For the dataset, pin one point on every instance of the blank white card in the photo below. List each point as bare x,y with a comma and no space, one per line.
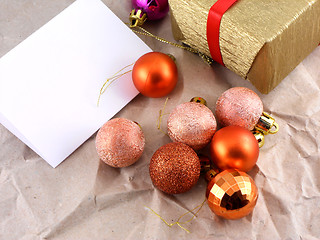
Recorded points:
49,84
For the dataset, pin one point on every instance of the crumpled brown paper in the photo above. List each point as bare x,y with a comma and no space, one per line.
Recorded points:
85,199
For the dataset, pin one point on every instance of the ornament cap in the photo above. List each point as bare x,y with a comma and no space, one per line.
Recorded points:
267,124
259,136
172,57
205,164
138,124
199,100
211,174
137,18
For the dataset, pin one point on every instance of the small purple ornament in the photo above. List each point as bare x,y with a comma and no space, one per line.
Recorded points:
155,9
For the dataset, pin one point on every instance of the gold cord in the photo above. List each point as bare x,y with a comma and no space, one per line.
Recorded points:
110,80
199,207
144,32
161,114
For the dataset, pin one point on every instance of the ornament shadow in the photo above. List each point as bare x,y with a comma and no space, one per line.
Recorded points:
29,155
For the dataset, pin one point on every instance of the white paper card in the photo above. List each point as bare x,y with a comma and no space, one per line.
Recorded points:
49,84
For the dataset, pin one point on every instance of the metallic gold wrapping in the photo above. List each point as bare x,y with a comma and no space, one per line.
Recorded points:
260,40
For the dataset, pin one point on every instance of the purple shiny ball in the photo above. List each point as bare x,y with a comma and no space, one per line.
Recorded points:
155,9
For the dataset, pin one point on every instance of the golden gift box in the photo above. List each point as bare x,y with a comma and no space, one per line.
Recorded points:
260,40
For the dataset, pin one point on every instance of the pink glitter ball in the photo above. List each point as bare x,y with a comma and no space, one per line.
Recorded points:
193,124
120,142
239,106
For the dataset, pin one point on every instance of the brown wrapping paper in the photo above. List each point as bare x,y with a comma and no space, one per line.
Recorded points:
262,41
85,199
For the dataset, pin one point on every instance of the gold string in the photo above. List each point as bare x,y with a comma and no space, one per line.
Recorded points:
160,117
111,80
199,207
144,32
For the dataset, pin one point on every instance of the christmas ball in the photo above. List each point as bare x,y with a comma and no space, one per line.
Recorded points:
155,9
234,147
239,106
232,194
120,142
155,74
174,168
193,124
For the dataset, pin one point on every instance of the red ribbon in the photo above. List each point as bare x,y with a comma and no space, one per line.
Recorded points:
213,27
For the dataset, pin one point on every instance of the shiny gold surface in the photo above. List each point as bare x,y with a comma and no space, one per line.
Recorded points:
199,100
256,37
259,137
267,124
211,174
137,18
232,194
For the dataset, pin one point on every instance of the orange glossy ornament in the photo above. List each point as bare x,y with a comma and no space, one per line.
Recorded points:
234,147
232,194
155,74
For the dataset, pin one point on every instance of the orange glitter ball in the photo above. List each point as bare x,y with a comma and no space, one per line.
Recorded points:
174,168
232,194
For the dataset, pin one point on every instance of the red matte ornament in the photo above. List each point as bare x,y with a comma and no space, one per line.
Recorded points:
155,74
234,147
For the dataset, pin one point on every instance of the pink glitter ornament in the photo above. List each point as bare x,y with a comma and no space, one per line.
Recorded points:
239,106
155,9
120,142
193,124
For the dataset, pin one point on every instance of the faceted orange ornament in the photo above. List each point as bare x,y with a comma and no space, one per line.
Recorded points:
234,147
155,74
232,194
